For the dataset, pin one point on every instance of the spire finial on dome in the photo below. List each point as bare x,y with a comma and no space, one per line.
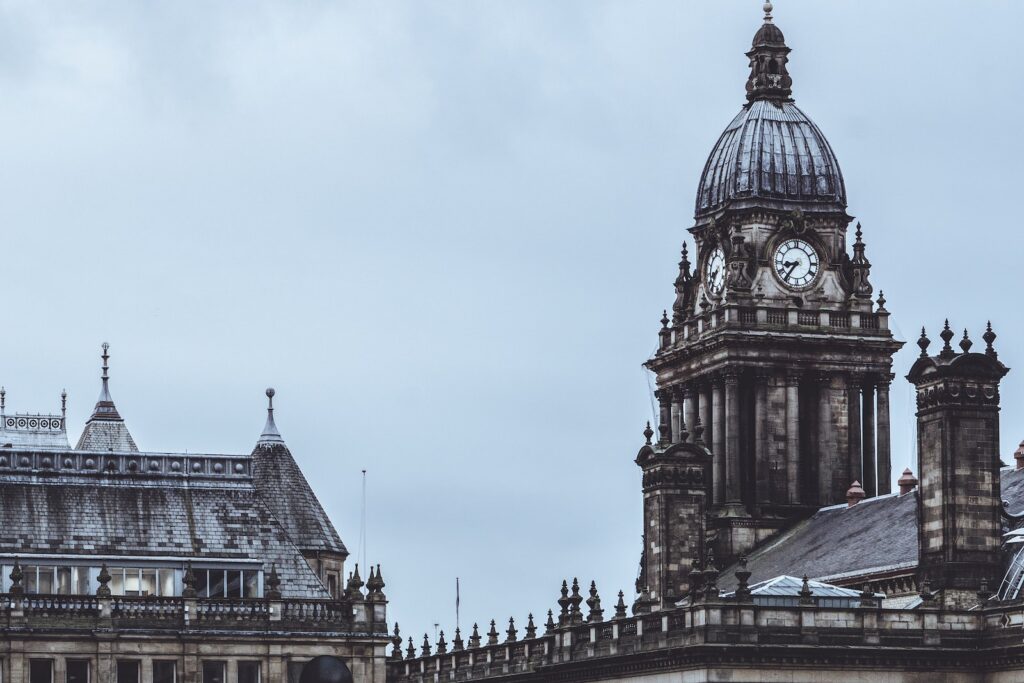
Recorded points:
768,12
270,434
769,79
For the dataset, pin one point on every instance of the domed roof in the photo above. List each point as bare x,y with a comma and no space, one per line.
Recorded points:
771,155
771,151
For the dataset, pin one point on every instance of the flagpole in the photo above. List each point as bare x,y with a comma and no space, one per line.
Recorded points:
456,602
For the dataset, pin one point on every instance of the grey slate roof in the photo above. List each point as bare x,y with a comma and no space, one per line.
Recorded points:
876,535
151,516
286,492
106,435
771,150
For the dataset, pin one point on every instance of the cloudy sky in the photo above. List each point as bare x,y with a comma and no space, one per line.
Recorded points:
445,232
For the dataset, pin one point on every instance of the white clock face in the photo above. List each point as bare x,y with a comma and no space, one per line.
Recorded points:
714,271
796,263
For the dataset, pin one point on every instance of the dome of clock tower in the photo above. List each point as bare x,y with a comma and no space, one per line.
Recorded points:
772,154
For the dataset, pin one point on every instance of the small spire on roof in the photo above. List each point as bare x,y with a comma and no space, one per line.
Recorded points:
270,434
768,12
105,408
64,403
3,400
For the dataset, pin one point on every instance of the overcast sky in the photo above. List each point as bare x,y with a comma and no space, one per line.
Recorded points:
445,233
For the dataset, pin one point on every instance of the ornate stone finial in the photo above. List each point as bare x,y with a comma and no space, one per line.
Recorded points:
104,578
3,400
664,319
188,581
442,646
881,301
806,593
375,582
410,652
947,335
648,433
355,584
531,628
907,482
64,403
620,607
270,433
767,12
549,625
743,576
425,648
474,637
966,343
696,582
563,604
396,643
855,494
510,633
923,342
989,337
681,306
274,584
575,600
594,603
698,432
380,582
457,644
860,269
859,233
710,577
492,635
16,576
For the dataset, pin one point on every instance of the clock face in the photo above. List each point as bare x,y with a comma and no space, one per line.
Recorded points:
714,271
796,263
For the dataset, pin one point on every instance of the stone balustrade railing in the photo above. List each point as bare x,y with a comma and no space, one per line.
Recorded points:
198,614
716,624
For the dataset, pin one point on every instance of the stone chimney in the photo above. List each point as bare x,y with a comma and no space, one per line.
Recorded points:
907,482
959,503
855,494
1018,456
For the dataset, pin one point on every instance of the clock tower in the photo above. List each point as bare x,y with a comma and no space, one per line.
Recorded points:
776,344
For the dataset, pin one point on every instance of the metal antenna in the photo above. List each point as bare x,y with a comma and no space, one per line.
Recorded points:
362,523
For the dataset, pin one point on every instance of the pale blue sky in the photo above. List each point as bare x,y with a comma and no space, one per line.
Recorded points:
445,232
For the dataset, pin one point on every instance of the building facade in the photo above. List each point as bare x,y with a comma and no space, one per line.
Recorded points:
773,547
126,566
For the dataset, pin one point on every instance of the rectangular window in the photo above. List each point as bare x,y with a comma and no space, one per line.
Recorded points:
31,580
116,580
234,583
127,671
214,672
252,584
80,577
64,585
148,582
40,671
46,580
166,582
202,583
77,671
248,672
216,583
165,672
132,582
332,584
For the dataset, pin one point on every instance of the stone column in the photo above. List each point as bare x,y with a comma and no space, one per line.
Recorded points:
677,415
690,406
718,437
762,485
870,487
704,410
793,436
665,419
853,383
826,441
884,455
734,492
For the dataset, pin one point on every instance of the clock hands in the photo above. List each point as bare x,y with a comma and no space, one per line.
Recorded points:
792,266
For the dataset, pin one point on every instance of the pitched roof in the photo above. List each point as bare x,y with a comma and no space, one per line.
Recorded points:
874,536
286,492
106,430
148,515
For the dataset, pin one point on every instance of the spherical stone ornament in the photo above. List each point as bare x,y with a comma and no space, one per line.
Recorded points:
239,467
176,466
90,463
197,466
325,669
218,468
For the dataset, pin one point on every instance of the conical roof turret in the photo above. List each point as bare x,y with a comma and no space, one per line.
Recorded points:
106,430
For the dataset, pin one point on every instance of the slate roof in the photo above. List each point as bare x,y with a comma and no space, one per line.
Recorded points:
153,516
288,495
874,536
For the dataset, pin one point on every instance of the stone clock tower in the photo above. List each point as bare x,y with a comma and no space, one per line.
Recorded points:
775,344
